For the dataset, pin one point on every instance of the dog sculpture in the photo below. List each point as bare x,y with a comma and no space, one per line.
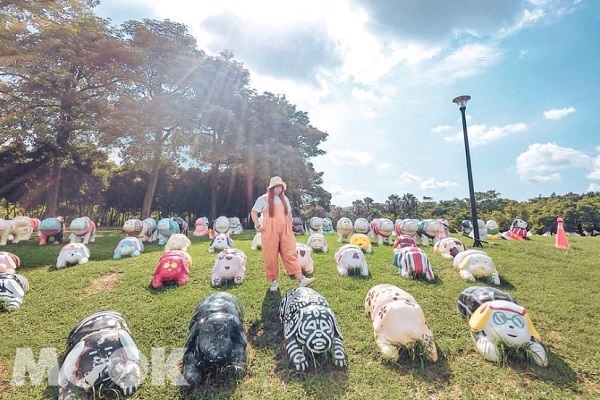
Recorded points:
344,229
9,262
256,241
398,321
381,231
12,290
407,226
235,226
230,265
304,252
318,243
403,241
495,317
220,225
178,241
473,264
297,226
72,254
314,225
361,225
448,247
517,231
351,259
83,230
220,242
309,328
100,355
216,338
52,228
165,228
361,240
201,227
172,266
413,263
328,226
129,246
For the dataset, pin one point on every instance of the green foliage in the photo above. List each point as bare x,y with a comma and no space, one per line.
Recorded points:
550,283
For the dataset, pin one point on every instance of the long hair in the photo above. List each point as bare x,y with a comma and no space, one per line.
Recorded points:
271,194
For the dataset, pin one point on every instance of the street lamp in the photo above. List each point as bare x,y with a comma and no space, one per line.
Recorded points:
462,104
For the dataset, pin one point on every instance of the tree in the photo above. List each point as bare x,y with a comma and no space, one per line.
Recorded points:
54,85
155,115
393,203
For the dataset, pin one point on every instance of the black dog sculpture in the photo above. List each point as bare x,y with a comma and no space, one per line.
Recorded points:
100,353
309,325
216,338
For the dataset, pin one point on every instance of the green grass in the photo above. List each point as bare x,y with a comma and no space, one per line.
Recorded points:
558,287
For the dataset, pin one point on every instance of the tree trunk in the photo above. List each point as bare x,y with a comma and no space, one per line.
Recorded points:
52,189
147,205
214,191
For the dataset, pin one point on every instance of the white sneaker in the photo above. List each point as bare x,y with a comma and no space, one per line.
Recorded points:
306,281
274,285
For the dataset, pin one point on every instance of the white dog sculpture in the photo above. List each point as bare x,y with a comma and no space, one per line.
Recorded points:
305,259
398,321
220,242
344,229
448,247
474,264
350,258
83,230
361,225
230,265
381,231
73,254
318,243
314,225
235,226
178,241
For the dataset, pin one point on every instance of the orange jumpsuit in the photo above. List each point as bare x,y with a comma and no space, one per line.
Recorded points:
278,239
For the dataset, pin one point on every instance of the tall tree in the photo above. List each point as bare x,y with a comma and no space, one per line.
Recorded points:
155,115
54,84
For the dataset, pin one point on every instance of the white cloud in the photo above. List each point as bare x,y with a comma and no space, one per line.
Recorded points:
341,195
595,172
593,187
440,128
349,157
541,162
434,184
481,134
384,166
558,113
406,177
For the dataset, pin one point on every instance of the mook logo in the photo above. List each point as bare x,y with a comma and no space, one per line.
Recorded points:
126,367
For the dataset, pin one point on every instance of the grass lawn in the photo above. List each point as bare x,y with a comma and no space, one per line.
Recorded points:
559,288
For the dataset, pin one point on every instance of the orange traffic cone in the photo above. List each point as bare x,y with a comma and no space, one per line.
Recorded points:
561,236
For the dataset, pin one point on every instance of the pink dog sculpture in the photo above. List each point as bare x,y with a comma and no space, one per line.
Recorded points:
83,230
172,266
52,228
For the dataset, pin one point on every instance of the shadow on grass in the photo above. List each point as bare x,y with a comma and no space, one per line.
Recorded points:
438,373
266,332
215,386
557,373
322,380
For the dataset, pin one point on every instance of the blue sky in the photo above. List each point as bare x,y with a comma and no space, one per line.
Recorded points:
380,76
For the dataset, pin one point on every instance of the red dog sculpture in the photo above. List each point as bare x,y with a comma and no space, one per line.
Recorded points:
172,266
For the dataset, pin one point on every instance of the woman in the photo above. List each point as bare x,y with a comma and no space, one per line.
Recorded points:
277,237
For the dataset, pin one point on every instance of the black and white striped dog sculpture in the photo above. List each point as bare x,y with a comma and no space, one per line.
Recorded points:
216,338
12,290
309,325
100,354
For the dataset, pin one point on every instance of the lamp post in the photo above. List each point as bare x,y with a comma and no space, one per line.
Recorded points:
462,104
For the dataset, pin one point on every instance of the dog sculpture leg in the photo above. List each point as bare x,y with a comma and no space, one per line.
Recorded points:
295,354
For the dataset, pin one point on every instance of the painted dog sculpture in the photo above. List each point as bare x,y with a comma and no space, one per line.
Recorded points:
230,265
172,266
494,317
473,264
83,230
216,338
9,262
52,228
12,290
100,354
309,328
129,246
304,252
398,321
413,263
72,254
350,259
344,229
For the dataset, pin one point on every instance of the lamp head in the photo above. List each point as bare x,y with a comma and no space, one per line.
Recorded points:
462,101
